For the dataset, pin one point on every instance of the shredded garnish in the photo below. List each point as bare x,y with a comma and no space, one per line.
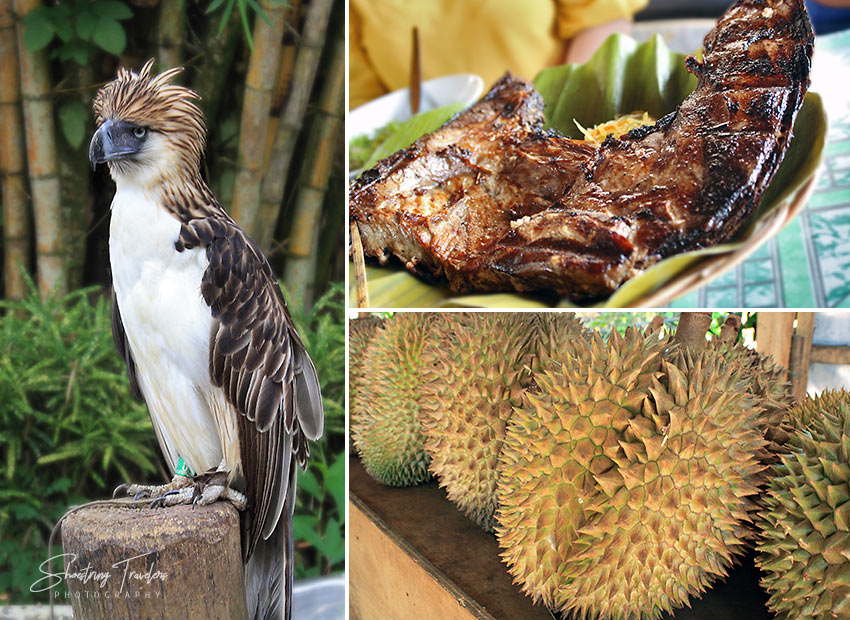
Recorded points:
617,127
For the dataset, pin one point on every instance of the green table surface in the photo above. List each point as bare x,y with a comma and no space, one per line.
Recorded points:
807,265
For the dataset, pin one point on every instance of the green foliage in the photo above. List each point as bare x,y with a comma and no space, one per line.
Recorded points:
69,429
80,26
242,7
717,320
72,117
322,331
319,522
77,29
605,322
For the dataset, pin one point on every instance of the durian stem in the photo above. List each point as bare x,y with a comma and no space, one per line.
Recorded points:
691,330
729,330
655,324
801,354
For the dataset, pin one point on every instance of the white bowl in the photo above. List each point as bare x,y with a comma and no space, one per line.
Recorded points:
465,88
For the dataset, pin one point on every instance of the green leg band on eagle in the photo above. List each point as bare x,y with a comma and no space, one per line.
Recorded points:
182,469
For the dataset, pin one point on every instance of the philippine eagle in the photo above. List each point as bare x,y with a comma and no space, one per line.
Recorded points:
201,323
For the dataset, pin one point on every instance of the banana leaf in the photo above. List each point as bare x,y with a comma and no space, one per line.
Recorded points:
622,77
411,130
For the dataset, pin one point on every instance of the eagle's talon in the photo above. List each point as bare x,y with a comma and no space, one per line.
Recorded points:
198,500
141,494
161,498
119,489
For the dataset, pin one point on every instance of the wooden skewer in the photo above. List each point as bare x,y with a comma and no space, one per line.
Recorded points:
415,74
359,267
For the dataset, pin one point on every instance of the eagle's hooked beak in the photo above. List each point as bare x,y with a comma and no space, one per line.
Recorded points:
113,140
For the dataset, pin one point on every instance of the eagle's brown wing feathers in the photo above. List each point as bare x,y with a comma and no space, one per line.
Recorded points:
259,361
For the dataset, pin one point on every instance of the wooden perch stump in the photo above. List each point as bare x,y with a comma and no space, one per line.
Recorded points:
159,563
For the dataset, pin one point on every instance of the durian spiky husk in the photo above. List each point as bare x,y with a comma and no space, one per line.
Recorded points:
767,381
386,430
556,443
475,375
473,378
557,337
804,550
627,481
361,332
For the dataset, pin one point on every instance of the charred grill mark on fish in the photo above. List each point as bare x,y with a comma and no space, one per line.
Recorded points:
491,202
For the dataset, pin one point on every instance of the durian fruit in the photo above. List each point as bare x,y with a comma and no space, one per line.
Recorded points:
385,427
804,549
475,374
556,339
361,332
767,381
627,480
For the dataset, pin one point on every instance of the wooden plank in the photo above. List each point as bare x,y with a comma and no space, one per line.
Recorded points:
404,541
801,362
827,354
773,335
389,579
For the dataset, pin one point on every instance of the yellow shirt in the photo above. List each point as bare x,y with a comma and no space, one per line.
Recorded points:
487,37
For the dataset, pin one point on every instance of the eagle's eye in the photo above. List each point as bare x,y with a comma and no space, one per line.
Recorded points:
140,132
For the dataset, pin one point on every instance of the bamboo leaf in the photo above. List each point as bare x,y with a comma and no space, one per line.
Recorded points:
214,6
38,32
243,14
226,16
259,11
86,23
112,8
69,453
109,35
72,116
63,29
10,460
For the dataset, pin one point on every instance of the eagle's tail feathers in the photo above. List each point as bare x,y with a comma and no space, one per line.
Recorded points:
268,573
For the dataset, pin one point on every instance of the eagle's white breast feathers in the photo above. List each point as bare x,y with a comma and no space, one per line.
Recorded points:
168,324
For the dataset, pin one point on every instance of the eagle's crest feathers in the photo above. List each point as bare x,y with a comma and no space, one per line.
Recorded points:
152,101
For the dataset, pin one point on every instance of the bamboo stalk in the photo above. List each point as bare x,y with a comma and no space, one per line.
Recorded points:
300,271
172,23
284,81
41,157
74,179
253,131
214,65
16,213
306,65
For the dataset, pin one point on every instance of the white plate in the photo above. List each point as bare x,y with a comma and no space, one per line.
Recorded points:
465,88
